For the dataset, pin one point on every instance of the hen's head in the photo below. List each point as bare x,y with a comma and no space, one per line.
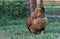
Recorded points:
32,15
40,12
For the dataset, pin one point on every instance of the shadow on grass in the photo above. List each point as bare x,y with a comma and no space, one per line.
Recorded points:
52,31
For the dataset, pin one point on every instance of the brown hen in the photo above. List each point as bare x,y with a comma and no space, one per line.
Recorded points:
37,21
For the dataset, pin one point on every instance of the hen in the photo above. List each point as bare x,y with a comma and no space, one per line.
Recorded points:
37,21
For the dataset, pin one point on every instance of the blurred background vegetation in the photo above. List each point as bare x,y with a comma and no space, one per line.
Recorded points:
15,9
11,10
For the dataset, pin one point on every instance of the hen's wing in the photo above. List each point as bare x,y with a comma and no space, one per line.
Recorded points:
29,23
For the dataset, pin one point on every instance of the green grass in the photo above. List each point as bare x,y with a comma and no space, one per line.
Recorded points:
20,31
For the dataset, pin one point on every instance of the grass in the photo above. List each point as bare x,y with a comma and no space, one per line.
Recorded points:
20,31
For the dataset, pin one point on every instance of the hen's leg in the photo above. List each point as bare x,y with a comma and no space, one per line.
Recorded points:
43,30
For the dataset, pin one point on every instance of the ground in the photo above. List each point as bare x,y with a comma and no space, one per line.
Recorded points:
20,31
